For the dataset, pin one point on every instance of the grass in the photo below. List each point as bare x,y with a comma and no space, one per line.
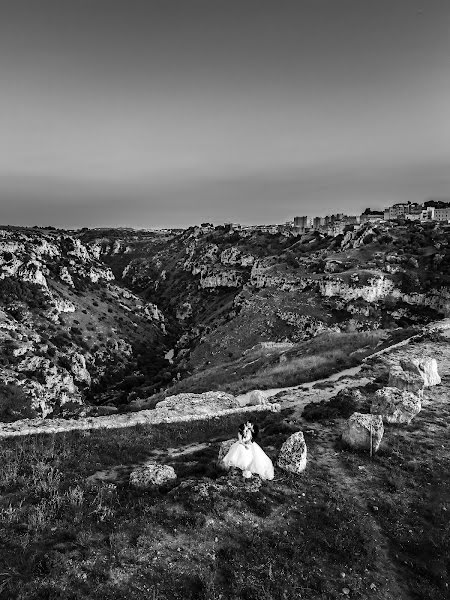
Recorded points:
211,535
319,357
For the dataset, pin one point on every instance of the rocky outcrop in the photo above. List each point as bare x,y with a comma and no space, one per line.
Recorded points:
426,368
151,474
293,454
207,403
396,406
377,287
363,432
78,369
217,279
47,387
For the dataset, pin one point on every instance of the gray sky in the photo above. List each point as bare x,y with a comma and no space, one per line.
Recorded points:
154,114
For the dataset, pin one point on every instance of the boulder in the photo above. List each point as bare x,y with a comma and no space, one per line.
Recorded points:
293,452
396,406
360,429
410,381
223,449
426,368
256,398
151,474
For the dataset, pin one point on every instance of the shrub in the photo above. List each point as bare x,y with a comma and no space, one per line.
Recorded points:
14,404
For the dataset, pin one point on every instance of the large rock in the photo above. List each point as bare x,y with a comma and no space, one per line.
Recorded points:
223,449
151,474
293,452
207,403
396,406
410,381
426,368
361,429
256,397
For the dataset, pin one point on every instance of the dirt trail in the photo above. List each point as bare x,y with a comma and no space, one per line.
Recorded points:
395,584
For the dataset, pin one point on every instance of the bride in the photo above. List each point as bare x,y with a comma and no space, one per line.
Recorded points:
247,455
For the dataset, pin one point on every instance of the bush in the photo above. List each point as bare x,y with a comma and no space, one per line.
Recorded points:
14,404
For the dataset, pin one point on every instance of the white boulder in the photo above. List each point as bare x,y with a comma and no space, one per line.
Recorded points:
396,406
256,397
293,453
362,429
410,380
426,368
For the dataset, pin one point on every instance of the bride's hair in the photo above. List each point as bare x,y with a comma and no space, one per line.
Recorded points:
249,426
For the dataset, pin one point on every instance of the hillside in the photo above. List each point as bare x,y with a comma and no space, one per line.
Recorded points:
350,525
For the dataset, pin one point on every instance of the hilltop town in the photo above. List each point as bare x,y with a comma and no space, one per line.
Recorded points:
337,224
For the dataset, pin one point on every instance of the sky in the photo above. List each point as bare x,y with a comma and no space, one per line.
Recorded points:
170,113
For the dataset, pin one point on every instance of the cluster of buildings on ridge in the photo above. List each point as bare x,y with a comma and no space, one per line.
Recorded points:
409,211
334,225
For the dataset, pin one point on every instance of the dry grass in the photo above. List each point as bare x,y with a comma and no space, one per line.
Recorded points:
381,522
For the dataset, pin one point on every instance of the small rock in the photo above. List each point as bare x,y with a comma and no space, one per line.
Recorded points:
151,474
223,450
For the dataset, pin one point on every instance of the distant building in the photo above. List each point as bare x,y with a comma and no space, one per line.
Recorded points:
302,224
442,214
372,217
401,210
427,214
232,226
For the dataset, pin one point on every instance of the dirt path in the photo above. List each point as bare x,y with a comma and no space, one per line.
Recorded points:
394,578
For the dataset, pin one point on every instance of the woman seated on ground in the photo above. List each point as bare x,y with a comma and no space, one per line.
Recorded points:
247,455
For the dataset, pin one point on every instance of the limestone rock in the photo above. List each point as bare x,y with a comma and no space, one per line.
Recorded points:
78,369
207,403
223,449
396,406
293,452
256,397
426,368
410,381
359,430
151,474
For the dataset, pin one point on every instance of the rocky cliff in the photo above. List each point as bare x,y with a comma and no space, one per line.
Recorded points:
68,331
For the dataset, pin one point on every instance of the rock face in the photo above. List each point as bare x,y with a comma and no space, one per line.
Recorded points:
206,403
396,406
361,428
410,380
426,368
151,474
293,452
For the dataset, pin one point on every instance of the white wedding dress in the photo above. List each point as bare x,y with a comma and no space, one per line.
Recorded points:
250,458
